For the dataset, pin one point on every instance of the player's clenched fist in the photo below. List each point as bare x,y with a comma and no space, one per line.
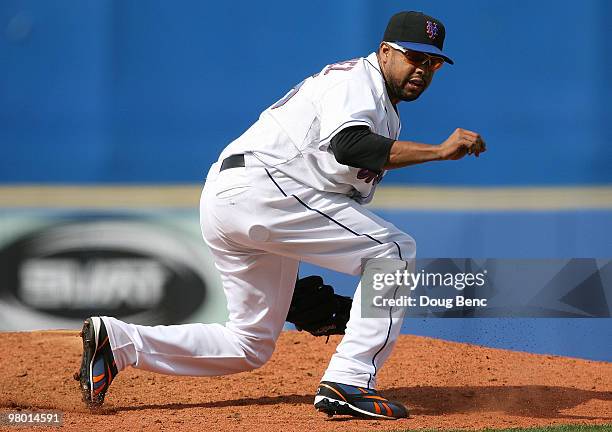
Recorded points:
460,143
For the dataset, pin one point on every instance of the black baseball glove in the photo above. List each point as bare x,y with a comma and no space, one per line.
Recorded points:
317,309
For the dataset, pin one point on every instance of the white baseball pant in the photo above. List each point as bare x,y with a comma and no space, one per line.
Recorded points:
259,224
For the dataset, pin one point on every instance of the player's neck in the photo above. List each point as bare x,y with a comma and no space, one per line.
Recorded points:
394,100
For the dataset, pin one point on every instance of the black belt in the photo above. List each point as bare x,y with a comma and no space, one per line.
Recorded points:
233,161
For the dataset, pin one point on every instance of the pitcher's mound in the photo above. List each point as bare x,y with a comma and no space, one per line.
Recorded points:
446,385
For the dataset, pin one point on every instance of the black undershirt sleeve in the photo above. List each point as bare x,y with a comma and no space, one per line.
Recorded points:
359,147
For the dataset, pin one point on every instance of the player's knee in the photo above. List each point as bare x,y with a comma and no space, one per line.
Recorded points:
406,246
257,351
258,359
400,246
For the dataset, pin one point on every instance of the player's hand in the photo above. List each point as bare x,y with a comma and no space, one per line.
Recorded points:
462,142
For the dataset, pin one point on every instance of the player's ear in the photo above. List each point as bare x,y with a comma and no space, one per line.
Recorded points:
384,50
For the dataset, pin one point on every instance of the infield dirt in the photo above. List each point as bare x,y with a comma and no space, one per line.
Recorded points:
446,385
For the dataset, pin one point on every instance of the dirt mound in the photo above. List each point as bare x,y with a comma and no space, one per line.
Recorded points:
445,385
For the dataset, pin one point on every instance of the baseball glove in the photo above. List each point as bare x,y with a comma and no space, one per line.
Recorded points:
317,309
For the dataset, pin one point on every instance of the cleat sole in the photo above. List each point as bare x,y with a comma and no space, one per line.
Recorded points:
333,407
89,349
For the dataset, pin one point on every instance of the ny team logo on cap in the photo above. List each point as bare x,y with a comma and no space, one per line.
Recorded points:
418,32
432,29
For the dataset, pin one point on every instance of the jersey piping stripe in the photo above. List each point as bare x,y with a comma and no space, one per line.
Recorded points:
372,64
399,251
387,117
395,109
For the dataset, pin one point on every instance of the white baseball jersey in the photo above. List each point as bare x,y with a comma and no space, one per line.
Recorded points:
293,135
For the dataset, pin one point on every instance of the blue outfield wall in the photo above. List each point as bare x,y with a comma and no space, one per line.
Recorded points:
151,91
554,234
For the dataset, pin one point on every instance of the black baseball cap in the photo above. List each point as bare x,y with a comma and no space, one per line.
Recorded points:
418,32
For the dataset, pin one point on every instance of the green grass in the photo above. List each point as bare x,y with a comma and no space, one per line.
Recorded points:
566,428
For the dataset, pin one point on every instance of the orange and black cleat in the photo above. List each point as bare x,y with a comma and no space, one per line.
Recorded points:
334,398
98,367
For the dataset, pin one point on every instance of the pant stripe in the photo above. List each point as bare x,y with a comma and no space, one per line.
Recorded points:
359,235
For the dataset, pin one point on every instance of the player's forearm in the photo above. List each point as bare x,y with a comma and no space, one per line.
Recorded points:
404,153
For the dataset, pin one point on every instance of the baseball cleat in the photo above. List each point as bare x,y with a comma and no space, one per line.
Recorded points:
98,367
334,398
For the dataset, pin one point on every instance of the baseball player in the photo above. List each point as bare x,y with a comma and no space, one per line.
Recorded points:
292,189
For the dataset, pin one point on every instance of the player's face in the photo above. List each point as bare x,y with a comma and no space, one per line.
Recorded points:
407,74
